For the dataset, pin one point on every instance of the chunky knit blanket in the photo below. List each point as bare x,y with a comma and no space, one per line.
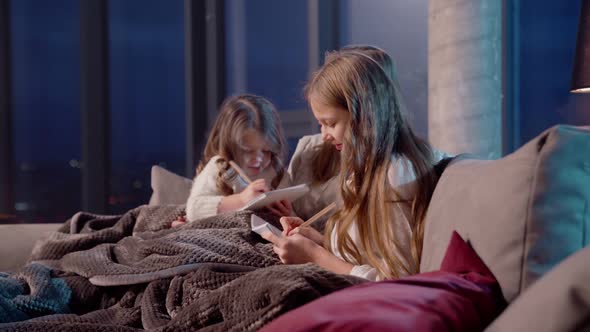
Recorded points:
134,272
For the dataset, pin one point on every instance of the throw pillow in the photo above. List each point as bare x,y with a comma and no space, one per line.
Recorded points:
169,188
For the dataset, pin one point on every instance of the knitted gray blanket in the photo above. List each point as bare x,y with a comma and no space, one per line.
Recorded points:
132,272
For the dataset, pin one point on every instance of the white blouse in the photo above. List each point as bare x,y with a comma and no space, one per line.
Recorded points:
205,196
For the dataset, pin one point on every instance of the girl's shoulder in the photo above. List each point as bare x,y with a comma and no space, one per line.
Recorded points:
211,167
214,159
305,147
308,142
401,171
439,155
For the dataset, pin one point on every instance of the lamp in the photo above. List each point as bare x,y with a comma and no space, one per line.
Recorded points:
581,73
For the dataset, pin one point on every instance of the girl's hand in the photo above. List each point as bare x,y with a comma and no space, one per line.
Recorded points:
295,249
179,222
253,190
282,208
310,233
289,224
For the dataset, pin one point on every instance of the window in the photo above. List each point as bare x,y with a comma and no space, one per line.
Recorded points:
46,118
147,96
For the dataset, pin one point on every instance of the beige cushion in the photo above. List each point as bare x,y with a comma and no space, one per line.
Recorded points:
16,242
559,301
523,213
168,187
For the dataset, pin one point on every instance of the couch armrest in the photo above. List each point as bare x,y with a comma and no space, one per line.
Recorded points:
559,301
17,240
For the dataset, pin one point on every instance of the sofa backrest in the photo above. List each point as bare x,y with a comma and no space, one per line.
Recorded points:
17,240
523,213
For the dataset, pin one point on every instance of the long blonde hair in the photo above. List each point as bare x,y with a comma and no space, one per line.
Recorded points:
325,160
238,114
378,130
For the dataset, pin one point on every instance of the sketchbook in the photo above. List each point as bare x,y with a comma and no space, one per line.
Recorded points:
260,226
289,193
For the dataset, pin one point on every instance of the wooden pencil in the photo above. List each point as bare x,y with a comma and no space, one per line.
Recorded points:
319,215
240,171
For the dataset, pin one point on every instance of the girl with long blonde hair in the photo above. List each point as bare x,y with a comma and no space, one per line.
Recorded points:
316,162
387,175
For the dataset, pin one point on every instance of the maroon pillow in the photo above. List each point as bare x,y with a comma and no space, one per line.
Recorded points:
462,296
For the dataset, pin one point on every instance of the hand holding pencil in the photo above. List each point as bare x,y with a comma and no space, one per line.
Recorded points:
301,245
240,171
295,225
282,208
253,189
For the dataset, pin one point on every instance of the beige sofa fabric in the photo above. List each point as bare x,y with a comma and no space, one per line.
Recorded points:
560,301
523,213
16,242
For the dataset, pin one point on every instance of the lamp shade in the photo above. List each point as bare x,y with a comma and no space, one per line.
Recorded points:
581,73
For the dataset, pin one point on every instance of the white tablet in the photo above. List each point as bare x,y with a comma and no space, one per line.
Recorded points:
289,193
260,226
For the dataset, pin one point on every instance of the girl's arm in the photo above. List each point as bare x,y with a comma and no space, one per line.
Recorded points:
297,249
206,199
295,252
330,262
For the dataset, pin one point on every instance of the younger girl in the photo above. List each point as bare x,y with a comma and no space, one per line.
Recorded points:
248,132
386,175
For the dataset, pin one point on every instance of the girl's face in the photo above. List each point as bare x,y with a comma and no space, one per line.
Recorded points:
333,121
253,153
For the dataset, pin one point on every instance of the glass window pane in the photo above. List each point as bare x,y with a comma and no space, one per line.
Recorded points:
46,94
147,95
267,50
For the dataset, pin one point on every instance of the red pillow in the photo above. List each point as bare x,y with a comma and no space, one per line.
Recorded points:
462,296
